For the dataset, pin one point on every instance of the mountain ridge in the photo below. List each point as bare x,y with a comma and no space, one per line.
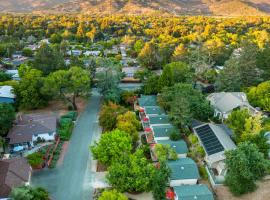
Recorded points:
177,7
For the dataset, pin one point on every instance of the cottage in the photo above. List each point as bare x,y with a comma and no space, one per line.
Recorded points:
184,171
225,102
30,128
153,110
147,100
13,172
193,192
155,120
163,132
179,146
6,94
215,140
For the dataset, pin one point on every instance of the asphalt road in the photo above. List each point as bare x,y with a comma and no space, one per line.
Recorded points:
72,180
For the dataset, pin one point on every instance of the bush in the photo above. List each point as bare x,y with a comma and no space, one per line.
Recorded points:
35,159
203,172
112,195
174,136
65,128
71,115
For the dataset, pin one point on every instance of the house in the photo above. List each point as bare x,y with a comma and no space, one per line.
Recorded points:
31,128
193,192
6,94
14,74
155,120
162,132
129,71
145,100
184,171
13,172
215,140
74,52
92,53
225,102
179,146
151,111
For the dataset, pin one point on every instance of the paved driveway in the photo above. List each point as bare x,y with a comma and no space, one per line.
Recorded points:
72,180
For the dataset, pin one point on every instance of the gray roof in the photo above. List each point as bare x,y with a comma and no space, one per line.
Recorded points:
7,92
153,110
179,146
163,130
147,100
30,124
227,101
13,172
193,192
183,168
159,119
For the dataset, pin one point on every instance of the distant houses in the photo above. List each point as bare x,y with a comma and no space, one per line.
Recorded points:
13,173
6,94
225,102
31,128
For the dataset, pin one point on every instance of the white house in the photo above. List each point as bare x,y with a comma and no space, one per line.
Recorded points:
225,102
30,128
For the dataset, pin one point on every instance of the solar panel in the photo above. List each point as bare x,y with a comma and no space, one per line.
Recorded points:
209,140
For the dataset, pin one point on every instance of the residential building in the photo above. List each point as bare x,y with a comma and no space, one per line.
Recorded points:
13,172
193,192
184,171
215,139
92,53
179,146
129,71
147,100
225,102
6,94
155,120
30,128
161,132
14,74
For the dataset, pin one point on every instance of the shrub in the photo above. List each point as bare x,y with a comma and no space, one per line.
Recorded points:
174,136
65,128
203,172
112,195
35,159
71,115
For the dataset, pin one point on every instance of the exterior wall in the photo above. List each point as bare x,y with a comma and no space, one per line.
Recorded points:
6,100
182,155
45,136
174,183
161,138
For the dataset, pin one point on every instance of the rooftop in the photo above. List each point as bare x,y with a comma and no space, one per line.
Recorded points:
179,146
163,130
6,92
159,119
153,110
183,168
193,192
147,100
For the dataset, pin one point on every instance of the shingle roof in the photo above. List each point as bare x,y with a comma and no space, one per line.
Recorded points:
153,110
183,168
193,192
163,130
147,100
159,119
30,124
13,172
179,146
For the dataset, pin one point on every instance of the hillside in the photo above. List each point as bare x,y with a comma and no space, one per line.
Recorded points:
179,7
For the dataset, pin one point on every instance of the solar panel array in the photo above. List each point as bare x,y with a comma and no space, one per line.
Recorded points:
209,140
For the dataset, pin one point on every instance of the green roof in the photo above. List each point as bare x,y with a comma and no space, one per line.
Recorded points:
147,100
159,119
193,192
153,110
179,146
183,168
163,130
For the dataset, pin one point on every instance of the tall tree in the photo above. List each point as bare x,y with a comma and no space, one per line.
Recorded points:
7,116
149,56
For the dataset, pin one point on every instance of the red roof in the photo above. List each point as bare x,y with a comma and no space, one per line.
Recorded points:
148,129
145,119
170,194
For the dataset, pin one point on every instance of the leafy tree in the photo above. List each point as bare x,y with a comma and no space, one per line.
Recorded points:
175,136
263,62
138,45
165,152
35,159
245,166
29,193
28,91
4,76
68,84
48,59
261,142
112,195
180,53
27,52
56,38
132,173
151,85
112,146
149,56
108,115
7,116
253,126
161,181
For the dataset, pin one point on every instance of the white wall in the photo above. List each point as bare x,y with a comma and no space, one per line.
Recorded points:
174,183
44,136
161,138
182,155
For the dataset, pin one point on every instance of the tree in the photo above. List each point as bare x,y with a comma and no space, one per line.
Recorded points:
48,59
165,152
236,121
112,195
28,91
175,72
149,56
7,116
27,52
132,173
151,85
138,45
180,53
29,193
161,181
245,166
263,62
253,126
108,115
111,147
68,84
35,159
4,77
56,38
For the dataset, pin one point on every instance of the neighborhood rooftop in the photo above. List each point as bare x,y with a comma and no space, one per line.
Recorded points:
153,110
147,100
163,130
179,146
193,192
159,119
